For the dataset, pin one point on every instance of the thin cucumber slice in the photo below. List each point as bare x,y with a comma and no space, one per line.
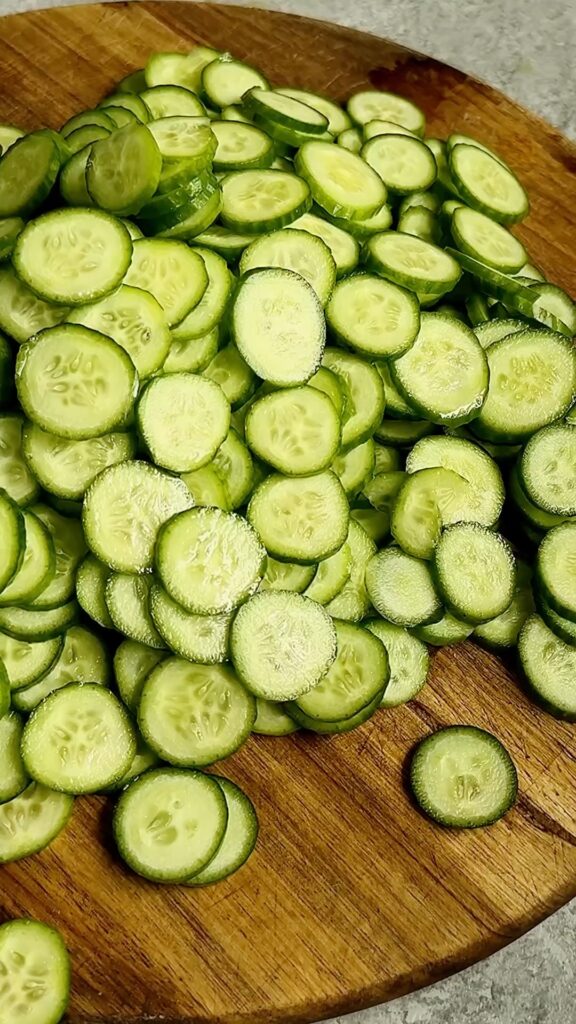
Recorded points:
35,625
470,462
169,823
184,138
66,468
225,81
234,113
486,240
375,523
124,509
262,200
121,116
463,777
207,488
552,299
419,221
73,179
548,469
135,320
211,308
355,467
9,134
75,382
560,626
232,374
340,181
185,173
174,205
172,101
530,513
412,263
405,164
343,246
84,136
228,244
13,534
386,106
22,312
475,571
16,480
79,740
133,663
549,667
334,728
428,500
556,569
123,170
532,383
233,464
487,185
272,720
504,629
331,576
28,171
401,588
89,254
395,404
189,221
94,118
278,108
358,674
296,250
224,562
327,382
403,433
239,839
179,69
301,519
193,715
372,316
364,395
352,602
447,631
494,330
287,576
455,383
282,644
143,760
241,146
408,659
295,430
91,580
41,814
458,138
26,662
383,489
363,227
127,101
10,229
13,775
127,598
70,547
338,119
199,638
35,967
171,272
278,325
382,126
191,355
83,657
183,419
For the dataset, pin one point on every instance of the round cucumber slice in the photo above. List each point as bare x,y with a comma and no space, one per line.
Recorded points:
486,240
35,968
556,569
295,430
470,462
374,317
548,469
239,839
405,164
475,571
272,720
341,182
22,312
363,395
123,170
338,119
352,602
408,659
41,814
302,519
548,664
241,146
171,272
344,248
401,588
386,106
287,576
183,419
133,663
412,263
199,638
66,468
13,775
295,250
28,171
172,100
262,200
487,185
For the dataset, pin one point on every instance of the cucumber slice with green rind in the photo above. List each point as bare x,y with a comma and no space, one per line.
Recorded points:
91,580
199,638
374,317
548,469
295,250
412,263
340,181
475,571
257,201
127,598
239,839
556,569
82,657
549,667
295,430
408,659
27,662
22,312
37,625
364,395
300,519
28,171
487,185
183,419
401,588
13,775
35,966
470,462
272,720
171,272
352,602
133,662
370,104
504,629
334,728
65,467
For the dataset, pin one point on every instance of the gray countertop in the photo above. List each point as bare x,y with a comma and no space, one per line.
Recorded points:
525,48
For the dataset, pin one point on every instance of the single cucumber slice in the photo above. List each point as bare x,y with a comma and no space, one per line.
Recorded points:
296,250
286,111
232,374
228,244
383,489
487,185
282,644
35,967
470,462
239,839
73,179
358,674
13,775
88,251
405,164
28,171
172,100
363,227
278,324
381,126
124,509
133,663
386,106
27,662
82,657
131,102
191,355
374,317
16,480
183,419
179,69
504,629
375,523
194,715
355,467
331,576
338,119
75,382
352,602
94,118
143,759
334,728
22,312
486,240
224,560
548,469
123,170
556,569
327,382
66,468
419,221
199,638
428,500
207,488
447,631
386,460
350,139
364,395
70,548
241,146
225,80
84,136
171,272
401,588
343,246
187,211
295,430
552,299
549,667
340,181
184,138
412,263
79,740
395,404
91,590
287,576
475,571
233,464
41,814
262,200
127,598
210,310
530,513
408,659
13,533
302,519
169,823
33,625
559,624
463,777
272,720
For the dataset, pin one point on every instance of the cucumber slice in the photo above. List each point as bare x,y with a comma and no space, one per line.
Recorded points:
278,325
403,433
70,548
90,590
29,624
211,308
504,629
241,146
225,80
381,126
479,236
412,263
228,244
384,488
395,404
375,523
487,185
124,509
363,227
22,313
358,674
233,464
295,430
172,101
93,118
470,462
556,569
549,665
272,720
352,602
447,631
26,662
408,659
180,69
75,382
182,211
123,170
405,164
193,715
386,106
495,330
303,519
364,395
531,513
296,250
13,533
421,222
144,758
374,317
10,229
340,181
207,488
475,571
133,663
16,480
287,576
28,172
327,382
79,740
344,248
191,355
283,110
122,117
282,644
334,728
428,500
13,775
338,119
239,839
131,102
262,200
532,383
560,626
463,777
355,467
35,966
552,299
89,254
127,599
548,469
169,823
232,374
386,460
9,134
199,638
84,136
234,113
73,179
41,814
82,657
401,588
171,272
183,419
184,138
66,468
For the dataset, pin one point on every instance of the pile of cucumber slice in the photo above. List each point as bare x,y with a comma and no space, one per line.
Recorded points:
273,373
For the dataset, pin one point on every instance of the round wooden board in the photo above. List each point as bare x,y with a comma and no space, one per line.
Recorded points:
352,897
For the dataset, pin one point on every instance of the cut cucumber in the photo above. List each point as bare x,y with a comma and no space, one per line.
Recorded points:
487,185
27,662
301,519
470,462
91,580
548,469
295,430
372,316
70,548
35,967
22,312
343,246
412,263
262,200
41,814
556,569
408,659
16,480
66,468
171,272
133,663
230,371
272,720
479,236
287,111
13,775
352,602
405,164
287,576
83,657
386,106
549,666
475,571
183,419
211,308
199,638
13,533
401,588
364,395
239,839
447,631
35,625
191,355
171,100
504,629
340,181
355,467
338,120
334,728
304,253
225,81
428,500
179,69
28,171
127,598
123,170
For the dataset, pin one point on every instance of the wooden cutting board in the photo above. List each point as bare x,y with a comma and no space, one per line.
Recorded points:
352,897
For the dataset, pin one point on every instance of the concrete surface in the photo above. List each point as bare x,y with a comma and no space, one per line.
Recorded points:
526,48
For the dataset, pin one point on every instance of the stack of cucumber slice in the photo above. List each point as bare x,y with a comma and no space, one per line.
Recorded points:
272,373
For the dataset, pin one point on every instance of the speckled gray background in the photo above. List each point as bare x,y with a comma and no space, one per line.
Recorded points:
527,49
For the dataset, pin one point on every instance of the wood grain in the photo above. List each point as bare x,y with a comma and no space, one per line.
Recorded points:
352,897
